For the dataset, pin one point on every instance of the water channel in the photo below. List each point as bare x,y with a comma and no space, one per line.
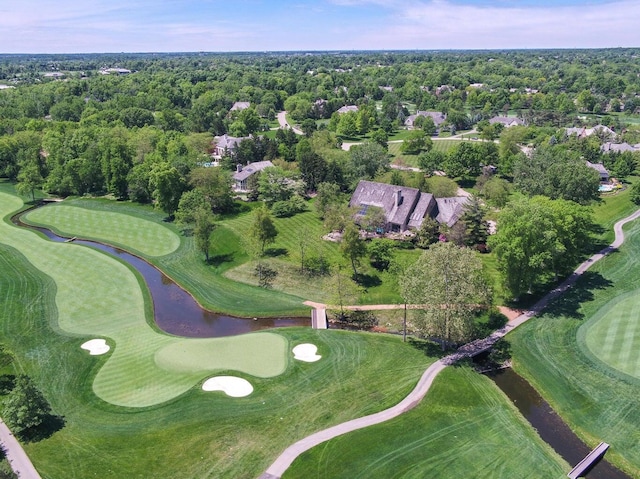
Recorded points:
551,428
175,310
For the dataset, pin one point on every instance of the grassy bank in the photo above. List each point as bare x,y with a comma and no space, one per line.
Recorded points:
599,401
465,427
197,434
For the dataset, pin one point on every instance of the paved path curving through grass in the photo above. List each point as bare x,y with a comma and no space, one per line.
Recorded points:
18,459
282,463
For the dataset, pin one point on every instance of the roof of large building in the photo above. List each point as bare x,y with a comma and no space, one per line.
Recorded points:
348,108
246,171
506,120
382,195
608,147
450,209
240,105
437,116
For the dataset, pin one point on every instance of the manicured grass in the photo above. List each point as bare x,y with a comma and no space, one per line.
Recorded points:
199,434
132,233
598,401
613,334
610,209
465,427
186,264
444,145
97,296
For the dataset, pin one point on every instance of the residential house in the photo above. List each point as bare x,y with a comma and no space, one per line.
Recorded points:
609,147
602,171
226,145
240,105
450,210
243,173
404,208
437,116
507,121
347,108
118,71
599,130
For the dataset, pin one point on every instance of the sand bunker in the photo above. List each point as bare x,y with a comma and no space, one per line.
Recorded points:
306,352
96,347
230,385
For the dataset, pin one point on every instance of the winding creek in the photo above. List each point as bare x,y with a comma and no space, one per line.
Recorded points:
175,310
551,428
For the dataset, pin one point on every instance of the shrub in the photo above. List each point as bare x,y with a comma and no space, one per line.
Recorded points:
283,209
316,266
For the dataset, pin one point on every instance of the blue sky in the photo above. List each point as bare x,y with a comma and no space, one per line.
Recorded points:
80,26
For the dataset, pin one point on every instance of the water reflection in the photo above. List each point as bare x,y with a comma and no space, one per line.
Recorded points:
175,310
551,428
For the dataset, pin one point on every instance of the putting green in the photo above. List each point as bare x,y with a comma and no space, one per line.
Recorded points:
133,234
98,296
613,334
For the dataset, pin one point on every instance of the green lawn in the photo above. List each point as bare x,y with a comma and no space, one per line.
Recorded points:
573,355
228,284
135,234
198,434
612,334
98,296
465,427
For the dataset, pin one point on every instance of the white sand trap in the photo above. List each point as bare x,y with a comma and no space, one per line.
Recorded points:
230,385
96,347
306,352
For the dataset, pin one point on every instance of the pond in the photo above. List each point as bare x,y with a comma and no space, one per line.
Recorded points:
551,428
175,310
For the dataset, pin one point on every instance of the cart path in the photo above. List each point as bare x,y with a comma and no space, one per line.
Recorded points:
282,463
17,458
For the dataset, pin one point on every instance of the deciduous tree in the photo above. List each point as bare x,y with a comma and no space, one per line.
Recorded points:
449,283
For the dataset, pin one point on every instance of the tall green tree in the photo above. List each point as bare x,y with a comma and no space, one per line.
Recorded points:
263,231
353,246
25,408
203,228
167,185
449,283
29,180
215,185
538,239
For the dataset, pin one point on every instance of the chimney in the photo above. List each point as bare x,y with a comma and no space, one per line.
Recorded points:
398,197
238,168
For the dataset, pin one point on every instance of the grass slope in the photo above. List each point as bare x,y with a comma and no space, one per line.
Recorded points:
465,427
96,295
198,435
185,264
599,402
135,234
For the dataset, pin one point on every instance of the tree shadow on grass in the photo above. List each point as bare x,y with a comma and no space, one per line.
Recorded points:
274,252
429,348
219,259
368,280
48,428
569,303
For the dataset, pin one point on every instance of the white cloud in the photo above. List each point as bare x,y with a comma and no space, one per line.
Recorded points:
442,24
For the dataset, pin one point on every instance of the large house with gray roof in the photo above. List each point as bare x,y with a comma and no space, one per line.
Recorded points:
437,116
404,208
226,145
243,173
507,121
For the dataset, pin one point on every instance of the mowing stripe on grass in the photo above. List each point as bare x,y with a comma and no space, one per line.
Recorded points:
99,296
613,334
129,232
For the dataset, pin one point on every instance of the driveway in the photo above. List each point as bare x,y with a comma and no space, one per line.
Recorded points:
282,119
